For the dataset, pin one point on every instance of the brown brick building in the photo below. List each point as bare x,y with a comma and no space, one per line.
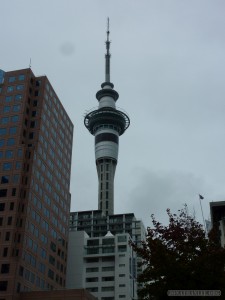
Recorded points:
36,137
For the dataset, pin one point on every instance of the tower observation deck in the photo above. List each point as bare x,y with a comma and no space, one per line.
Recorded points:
106,123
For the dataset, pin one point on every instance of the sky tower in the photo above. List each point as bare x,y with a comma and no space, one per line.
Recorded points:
106,123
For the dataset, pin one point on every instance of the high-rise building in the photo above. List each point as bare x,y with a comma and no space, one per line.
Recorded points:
36,137
100,257
106,123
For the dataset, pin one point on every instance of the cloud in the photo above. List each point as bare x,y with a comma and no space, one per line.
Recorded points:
154,192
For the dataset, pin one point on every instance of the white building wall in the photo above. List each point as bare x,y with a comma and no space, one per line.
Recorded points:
75,266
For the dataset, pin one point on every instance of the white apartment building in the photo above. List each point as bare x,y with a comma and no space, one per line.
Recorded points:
105,266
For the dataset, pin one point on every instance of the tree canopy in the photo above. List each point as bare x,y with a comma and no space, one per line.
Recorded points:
180,257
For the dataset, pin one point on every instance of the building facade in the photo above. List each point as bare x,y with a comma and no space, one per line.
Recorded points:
36,137
100,257
217,211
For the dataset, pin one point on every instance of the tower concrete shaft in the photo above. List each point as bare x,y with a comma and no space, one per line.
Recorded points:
106,123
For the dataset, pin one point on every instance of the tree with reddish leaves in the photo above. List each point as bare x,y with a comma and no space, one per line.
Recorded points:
180,257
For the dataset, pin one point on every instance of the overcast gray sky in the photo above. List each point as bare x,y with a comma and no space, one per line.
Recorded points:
168,65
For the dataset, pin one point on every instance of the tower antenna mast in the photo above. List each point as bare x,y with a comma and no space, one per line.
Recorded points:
107,56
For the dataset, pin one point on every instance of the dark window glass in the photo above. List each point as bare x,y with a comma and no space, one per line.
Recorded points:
8,154
5,120
11,142
11,207
9,222
8,98
10,89
2,142
1,154
5,179
14,192
6,109
3,193
1,221
18,97
16,178
12,130
7,236
16,108
15,118
3,285
19,87
21,77
5,252
2,131
2,206
12,78
7,166
32,124
34,113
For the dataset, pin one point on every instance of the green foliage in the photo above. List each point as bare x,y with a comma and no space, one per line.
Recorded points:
180,257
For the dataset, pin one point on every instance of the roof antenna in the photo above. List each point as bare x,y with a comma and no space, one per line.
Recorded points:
30,64
107,56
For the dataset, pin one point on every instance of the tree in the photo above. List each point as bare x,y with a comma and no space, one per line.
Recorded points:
180,257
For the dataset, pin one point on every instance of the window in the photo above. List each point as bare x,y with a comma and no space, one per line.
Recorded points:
7,236
10,89
19,152
19,87
11,207
2,142
5,179
5,120
7,166
122,248
3,285
5,252
109,278
16,108
92,279
34,113
2,131
1,221
18,97
14,192
6,109
121,275
50,274
8,98
21,77
12,79
90,270
11,142
107,288
122,238
31,135
2,206
18,165
12,130
8,154
15,118
32,124
3,193
9,222
16,178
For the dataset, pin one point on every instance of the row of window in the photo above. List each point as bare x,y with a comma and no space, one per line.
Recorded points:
14,108
8,166
50,99
17,97
20,77
6,120
12,88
